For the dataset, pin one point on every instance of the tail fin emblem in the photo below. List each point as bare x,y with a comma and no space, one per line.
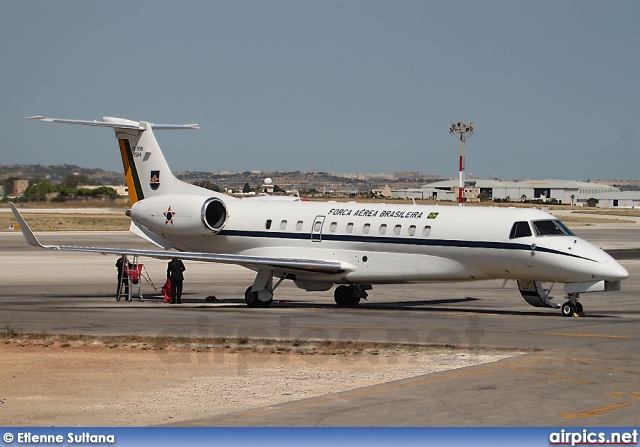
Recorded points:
155,180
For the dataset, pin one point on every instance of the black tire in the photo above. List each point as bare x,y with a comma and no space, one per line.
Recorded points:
354,300
579,308
252,300
568,309
342,295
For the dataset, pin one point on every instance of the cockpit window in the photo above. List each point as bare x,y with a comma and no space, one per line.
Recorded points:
565,228
551,228
520,229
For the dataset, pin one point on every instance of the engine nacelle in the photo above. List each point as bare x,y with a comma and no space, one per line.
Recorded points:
180,214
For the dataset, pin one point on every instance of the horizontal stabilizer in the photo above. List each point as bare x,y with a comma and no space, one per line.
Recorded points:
115,123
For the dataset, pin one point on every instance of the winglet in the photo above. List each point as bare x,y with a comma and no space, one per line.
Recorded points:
26,231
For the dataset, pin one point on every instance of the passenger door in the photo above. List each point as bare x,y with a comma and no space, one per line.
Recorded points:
316,229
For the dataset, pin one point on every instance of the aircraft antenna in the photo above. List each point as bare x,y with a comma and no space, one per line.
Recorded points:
462,129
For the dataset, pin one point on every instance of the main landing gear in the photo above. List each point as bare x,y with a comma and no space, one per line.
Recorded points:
350,295
260,294
253,299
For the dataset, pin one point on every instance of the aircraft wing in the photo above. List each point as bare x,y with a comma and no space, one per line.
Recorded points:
293,264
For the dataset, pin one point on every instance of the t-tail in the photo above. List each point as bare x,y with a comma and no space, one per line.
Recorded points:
145,168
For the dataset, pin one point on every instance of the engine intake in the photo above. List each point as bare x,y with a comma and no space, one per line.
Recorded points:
214,214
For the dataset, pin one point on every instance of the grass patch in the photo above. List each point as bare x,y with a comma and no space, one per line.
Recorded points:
622,213
70,222
9,333
585,220
240,344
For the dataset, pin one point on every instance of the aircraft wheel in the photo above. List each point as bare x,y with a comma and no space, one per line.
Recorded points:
579,308
252,300
568,309
343,296
354,300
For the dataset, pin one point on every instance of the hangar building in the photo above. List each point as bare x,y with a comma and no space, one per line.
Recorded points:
565,191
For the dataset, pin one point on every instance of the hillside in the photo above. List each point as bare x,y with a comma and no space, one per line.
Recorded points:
57,173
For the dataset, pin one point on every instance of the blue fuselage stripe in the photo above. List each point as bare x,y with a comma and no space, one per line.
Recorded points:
397,241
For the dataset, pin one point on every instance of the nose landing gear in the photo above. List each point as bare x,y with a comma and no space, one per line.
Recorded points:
572,308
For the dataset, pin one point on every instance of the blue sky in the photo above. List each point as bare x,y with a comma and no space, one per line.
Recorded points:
340,86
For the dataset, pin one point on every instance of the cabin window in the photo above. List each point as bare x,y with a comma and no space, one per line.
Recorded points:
350,227
268,225
366,228
383,228
520,229
412,230
299,225
283,225
333,227
551,228
397,230
427,231
317,226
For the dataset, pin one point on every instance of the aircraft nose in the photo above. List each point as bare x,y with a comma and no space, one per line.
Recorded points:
616,272
606,267
611,270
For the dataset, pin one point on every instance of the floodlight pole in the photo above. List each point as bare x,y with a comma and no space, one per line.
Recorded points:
463,129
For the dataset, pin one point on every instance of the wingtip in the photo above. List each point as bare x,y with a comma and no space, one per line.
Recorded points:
26,231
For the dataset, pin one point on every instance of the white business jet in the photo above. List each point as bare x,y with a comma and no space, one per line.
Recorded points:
354,245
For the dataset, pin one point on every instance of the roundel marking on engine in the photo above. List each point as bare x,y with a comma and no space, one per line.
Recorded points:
168,215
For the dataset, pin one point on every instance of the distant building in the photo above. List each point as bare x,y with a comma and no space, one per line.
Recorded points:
563,191
426,193
622,199
19,187
469,193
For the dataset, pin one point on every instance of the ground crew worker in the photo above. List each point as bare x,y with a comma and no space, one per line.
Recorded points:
174,273
122,276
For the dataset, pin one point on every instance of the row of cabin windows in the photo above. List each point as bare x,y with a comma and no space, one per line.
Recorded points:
366,228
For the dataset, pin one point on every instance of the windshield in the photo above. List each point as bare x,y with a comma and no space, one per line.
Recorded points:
551,228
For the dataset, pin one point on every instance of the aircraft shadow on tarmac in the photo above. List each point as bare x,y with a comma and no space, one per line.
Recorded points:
431,306
364,306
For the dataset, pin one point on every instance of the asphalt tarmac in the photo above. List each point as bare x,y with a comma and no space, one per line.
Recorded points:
573,371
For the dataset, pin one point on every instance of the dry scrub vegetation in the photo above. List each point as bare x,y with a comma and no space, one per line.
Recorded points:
70,222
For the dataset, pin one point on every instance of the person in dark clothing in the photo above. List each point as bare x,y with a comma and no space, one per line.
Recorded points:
122,276
174,273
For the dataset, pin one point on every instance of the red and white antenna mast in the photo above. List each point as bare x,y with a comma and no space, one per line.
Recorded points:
463,130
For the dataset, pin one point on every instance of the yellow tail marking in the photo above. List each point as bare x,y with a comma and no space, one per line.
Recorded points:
133,196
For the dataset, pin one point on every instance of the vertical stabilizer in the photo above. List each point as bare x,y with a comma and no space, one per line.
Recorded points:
145,168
